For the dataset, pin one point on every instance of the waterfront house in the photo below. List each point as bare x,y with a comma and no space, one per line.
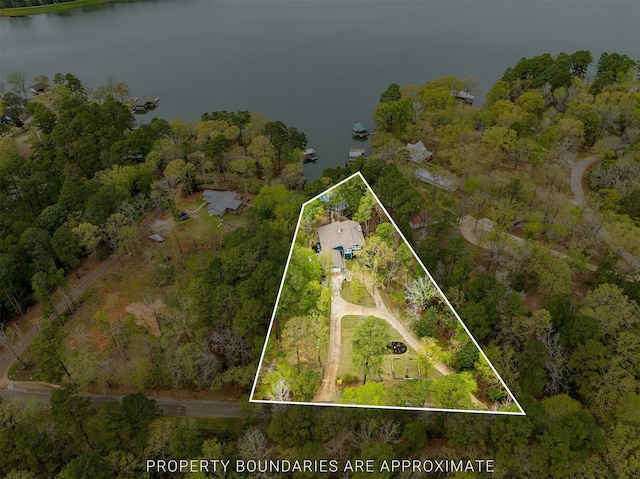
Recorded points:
143,103
221,202
463,96
418,152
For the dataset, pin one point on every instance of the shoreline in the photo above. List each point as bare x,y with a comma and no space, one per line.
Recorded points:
28,11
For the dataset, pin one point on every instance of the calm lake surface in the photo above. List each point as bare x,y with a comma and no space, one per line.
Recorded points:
318,65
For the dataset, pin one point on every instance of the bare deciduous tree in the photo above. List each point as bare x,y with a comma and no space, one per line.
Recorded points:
281,391
419,295
253,445
556,366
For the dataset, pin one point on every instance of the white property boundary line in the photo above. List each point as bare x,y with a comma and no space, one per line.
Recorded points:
275,308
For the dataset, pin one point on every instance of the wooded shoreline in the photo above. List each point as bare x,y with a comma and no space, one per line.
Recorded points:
25,11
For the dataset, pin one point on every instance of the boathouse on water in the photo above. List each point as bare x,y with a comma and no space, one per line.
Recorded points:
143,103
354,154
309,155
359,130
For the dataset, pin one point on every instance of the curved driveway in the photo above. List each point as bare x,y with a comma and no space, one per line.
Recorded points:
578,170
341,308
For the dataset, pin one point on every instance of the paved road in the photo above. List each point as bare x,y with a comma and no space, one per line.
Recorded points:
169,406
578,170
474,231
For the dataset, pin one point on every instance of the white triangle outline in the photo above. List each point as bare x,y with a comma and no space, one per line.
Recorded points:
273,315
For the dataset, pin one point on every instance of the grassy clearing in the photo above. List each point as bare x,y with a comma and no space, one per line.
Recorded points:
355,292
349,325
24,11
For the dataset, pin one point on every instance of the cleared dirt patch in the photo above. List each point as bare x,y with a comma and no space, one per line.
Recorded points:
162,226
146,315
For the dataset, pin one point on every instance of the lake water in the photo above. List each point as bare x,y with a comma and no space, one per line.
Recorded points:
317,65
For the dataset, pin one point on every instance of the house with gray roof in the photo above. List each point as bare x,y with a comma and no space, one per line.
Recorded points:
221,202
463,96
438,181
341,238
418,152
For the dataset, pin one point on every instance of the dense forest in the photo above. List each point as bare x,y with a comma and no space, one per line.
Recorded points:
550,290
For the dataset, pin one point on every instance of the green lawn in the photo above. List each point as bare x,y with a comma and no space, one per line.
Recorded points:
24,11
357,293
408,359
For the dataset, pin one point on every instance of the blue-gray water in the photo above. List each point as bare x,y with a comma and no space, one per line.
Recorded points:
316,65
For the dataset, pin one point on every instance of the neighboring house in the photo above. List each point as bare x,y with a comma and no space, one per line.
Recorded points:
419,221
418,152
438,181
37,89
463,96
221,201
342,238
143,103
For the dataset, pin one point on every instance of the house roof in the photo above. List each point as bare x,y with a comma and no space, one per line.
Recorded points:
145,100
356,152
359,127
220,201
345,234
462,94
36,87
418,152
421,219
438,181
337,259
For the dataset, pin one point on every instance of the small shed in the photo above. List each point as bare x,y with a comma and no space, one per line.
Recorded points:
419,221
157,238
